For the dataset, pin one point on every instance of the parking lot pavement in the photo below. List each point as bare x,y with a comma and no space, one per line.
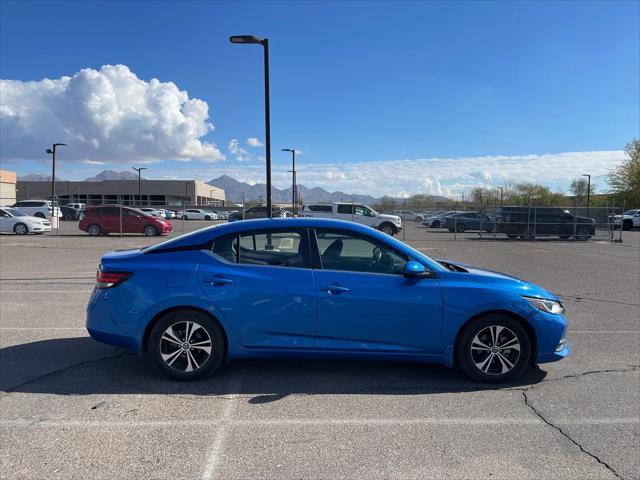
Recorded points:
73,408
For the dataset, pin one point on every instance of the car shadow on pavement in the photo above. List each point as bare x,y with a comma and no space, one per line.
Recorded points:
81,366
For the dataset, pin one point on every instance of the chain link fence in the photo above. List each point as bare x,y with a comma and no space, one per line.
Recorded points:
529,222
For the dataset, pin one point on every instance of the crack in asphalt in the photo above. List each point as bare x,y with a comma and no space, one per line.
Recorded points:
562,432
568,437
60,370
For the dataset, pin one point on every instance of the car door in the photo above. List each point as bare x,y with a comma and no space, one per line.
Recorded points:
262,285
6,224
364,301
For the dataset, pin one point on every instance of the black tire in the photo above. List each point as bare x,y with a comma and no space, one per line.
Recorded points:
451,230
207,217
564,237
158,345
627,225
20,229
512,236
39,215
388,229
583,233
150,231
94,230
184,217
461,228
471,361
435,224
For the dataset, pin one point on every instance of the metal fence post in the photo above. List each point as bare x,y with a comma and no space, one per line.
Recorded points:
120,220
455,227
622,220
575,221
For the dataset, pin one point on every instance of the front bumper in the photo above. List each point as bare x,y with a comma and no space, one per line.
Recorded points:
551,333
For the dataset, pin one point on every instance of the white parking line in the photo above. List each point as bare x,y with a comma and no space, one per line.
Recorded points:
225,422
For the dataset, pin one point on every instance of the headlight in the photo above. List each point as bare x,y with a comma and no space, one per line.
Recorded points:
549,306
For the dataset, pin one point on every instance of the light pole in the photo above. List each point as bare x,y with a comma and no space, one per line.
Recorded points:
462,200
293,172
250,39
501,195
52,151
588,190
139,184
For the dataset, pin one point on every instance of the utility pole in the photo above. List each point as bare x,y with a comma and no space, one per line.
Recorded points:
293,182
139,184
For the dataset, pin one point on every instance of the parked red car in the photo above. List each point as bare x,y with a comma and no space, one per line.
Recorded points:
103,220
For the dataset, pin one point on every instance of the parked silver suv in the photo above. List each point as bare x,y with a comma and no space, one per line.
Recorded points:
38,208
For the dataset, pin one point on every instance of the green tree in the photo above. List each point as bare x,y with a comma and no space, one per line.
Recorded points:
624,180
579,188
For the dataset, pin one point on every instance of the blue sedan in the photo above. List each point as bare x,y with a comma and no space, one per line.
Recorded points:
320,288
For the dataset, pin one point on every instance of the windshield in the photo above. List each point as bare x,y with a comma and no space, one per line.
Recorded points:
15,213
631,212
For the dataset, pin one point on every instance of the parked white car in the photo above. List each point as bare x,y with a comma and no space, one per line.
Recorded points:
195,214
156,212
38,208
14,221
355,212
629,219
409,215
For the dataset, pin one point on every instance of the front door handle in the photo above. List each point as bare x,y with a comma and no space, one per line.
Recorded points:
219,281
335,289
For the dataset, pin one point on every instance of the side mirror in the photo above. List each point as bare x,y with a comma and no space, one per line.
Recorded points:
413,269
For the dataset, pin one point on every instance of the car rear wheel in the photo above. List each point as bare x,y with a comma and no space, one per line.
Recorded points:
511,235
150,231
94,230
461,228
20,229
627,225
186,345
583,233
207,217
495,348
435,224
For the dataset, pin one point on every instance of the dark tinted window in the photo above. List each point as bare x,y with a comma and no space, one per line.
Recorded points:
351,252
348,209
110,212
320,208
226,247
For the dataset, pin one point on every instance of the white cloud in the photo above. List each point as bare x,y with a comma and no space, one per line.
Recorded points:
437,176
254,142
107,115
240,153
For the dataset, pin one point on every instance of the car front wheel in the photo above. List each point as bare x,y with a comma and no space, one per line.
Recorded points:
150,231
583,233
494,348
388,229
20,229
186,345
94,230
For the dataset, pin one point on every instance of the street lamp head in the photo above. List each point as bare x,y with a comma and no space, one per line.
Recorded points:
287,150
59,144
245,39
49,151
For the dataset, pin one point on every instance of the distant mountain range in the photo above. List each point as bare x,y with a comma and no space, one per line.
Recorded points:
235,191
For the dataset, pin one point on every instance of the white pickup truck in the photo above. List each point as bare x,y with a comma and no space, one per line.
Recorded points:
354,212
629,219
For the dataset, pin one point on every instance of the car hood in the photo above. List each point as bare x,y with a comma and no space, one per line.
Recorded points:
393,218
499,280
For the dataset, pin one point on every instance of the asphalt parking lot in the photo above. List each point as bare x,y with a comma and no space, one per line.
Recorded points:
73,408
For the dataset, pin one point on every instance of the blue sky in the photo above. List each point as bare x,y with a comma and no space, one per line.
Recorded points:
426,94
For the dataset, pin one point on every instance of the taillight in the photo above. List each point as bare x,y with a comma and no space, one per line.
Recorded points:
110,279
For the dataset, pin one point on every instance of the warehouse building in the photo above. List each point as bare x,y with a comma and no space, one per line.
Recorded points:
7,187
159,193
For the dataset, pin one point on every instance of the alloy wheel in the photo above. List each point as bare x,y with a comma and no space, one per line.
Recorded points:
94,230
185,346
20,229
495,350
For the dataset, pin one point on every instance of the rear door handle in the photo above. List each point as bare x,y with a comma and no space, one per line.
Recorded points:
219,281
334,289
